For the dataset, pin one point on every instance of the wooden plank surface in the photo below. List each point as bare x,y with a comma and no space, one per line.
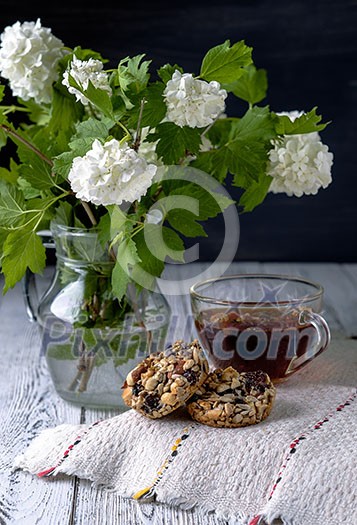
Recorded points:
28,404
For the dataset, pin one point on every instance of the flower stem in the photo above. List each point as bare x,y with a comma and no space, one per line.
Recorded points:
137,230
89,213
127,132
136,144
13,108
13,134
90,362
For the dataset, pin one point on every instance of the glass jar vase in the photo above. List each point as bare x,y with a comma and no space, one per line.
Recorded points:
90,339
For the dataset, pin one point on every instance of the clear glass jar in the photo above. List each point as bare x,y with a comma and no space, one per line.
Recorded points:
90,340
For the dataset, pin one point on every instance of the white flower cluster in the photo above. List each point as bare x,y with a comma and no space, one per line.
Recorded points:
192,102
110,173
29,55
299,164
83,71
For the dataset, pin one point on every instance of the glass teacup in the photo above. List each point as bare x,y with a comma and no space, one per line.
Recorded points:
260,322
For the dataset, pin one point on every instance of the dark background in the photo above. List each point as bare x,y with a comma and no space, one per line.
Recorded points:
309,50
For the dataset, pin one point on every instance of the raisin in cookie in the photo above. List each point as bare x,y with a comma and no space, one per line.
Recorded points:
231,399
164,381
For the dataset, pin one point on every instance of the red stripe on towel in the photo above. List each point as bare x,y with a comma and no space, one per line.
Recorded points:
45,473
295,444
50,471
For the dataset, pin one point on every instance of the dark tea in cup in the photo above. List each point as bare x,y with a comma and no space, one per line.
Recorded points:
271,333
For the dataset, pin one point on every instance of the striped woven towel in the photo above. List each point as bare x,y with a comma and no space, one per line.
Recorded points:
298,466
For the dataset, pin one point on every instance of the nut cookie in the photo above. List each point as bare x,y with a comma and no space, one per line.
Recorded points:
232,399
164,381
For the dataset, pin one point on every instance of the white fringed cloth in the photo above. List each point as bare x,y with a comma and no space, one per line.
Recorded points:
299,466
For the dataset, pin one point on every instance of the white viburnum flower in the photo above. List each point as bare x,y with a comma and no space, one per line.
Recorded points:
192,102
83,71
110,173
29,54
299,164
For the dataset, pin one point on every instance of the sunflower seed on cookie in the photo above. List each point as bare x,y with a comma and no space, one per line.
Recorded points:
165,380
231,399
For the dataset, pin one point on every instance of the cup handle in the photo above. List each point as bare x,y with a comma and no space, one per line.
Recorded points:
30,295
29,288
323,340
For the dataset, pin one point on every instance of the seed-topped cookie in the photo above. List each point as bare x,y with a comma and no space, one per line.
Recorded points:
164,381
231,399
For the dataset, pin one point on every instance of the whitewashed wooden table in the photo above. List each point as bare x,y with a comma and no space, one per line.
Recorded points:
29,403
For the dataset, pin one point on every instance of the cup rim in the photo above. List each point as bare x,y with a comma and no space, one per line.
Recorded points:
207,299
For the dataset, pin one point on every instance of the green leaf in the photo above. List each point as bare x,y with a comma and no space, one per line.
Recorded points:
10,175
255,193
185,222
12,206
214,162
133,74
120,281
127,257
127,254
28,191
150,266
220,131
224,63
2,92
164,242
103,228
93,128
241,147
39,114
39,208
3,235
40,138
62,163
174,142
38,203
37,139
154,107
307,123
257,124
247,159
65,113
35,170
250,143
3,119
165,72
22,249
118,219
64,214
209,203
3,138
251,87
203,161
100,98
